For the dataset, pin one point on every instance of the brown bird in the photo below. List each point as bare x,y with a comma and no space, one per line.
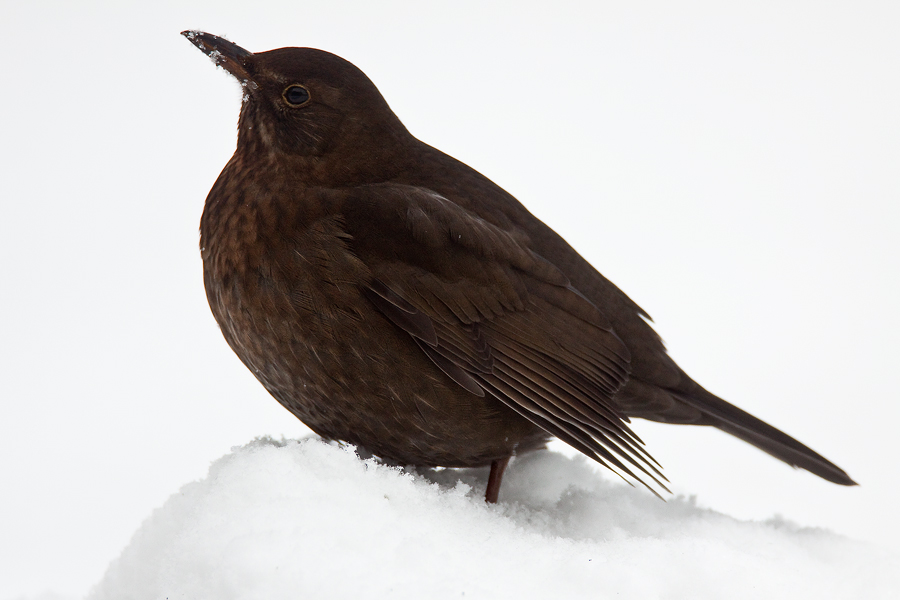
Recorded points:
394,298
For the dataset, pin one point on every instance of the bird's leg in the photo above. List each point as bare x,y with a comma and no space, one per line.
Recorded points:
493,486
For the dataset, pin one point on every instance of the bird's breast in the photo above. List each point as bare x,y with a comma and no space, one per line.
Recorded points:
286,288
276,277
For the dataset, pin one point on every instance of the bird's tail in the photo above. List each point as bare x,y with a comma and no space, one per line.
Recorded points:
743,425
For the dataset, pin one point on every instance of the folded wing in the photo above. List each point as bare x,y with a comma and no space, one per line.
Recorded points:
497,318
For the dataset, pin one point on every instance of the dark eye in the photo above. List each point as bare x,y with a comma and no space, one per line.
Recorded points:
296,95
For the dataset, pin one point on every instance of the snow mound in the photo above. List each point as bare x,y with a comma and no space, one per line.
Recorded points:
307,519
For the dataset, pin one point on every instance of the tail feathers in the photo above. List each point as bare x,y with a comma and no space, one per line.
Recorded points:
745,426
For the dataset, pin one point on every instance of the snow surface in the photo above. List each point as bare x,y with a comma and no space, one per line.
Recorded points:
307,519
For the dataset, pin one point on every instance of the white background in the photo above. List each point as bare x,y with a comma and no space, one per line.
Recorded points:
734,170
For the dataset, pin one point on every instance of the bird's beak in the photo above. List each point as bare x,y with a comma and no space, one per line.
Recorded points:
225,54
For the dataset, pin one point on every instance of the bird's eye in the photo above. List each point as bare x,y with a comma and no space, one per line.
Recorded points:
296,95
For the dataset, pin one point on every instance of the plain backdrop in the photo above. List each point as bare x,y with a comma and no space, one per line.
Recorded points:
733,168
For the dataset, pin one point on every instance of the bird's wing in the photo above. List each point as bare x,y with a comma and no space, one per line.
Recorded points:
496,317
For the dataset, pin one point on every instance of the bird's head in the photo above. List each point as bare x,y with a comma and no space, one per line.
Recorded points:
305,102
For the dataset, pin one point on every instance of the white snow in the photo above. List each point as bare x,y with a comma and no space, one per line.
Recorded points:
306,519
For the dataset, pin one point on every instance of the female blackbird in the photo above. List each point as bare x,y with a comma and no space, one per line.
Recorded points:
394,298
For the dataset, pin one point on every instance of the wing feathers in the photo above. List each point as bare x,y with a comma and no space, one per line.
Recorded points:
568,409
451,369
496,317
575,437
402,313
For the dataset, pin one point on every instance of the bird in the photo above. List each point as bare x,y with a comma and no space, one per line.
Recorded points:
394,298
